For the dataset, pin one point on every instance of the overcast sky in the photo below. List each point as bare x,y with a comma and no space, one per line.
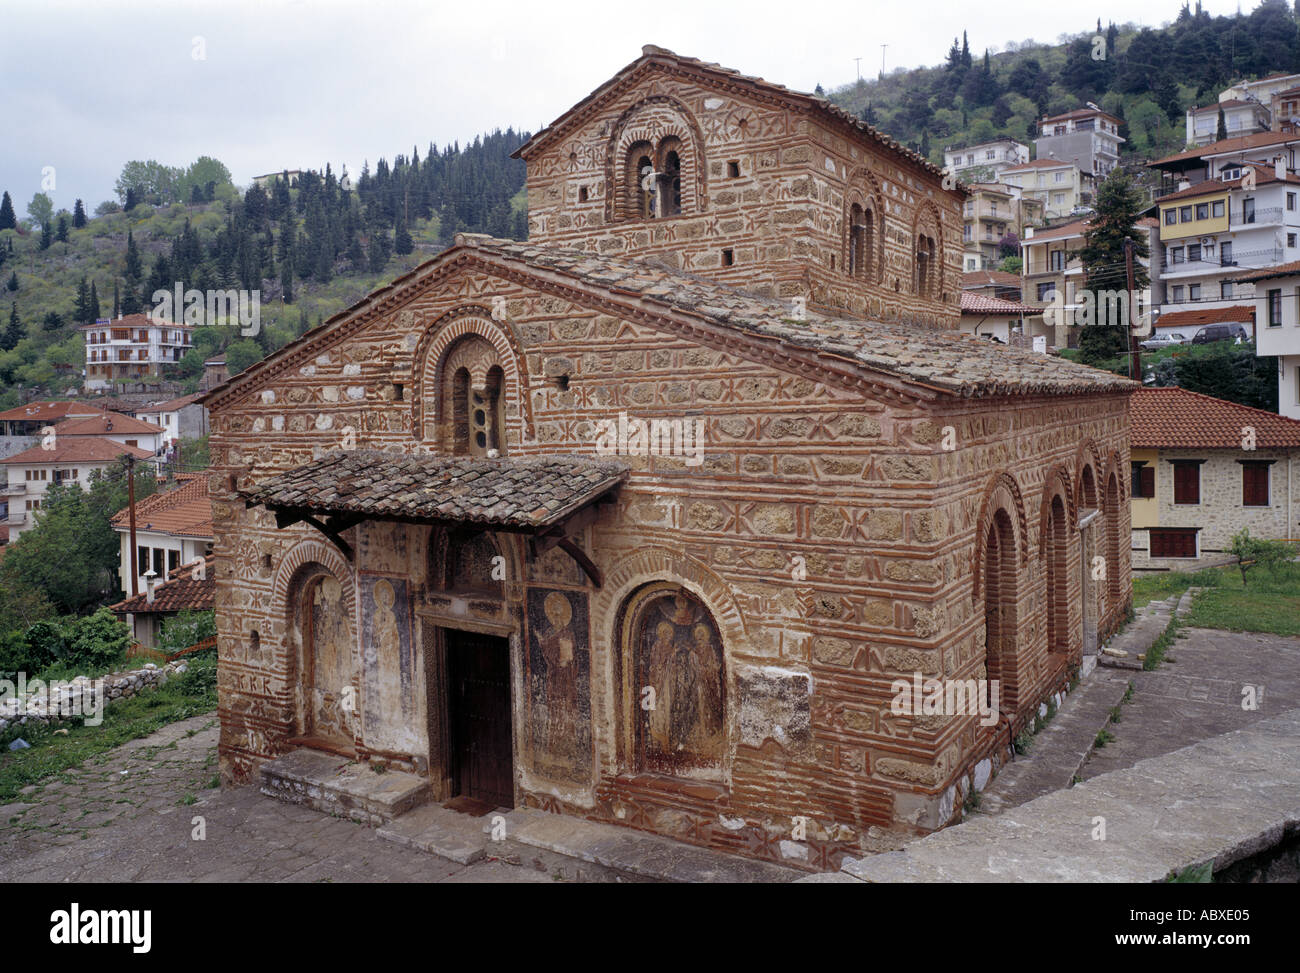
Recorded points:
86,85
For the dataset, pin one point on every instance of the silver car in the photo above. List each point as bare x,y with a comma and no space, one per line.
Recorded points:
1158,341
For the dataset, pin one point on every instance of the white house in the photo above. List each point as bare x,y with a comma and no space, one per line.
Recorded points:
985,161
171,529
1240,117
1087,137
180,418
1277,314
131,349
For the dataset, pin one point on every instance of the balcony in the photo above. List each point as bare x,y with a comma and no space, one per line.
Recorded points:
1266,216
1240,262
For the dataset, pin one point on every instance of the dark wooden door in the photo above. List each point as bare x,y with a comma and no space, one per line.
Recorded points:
479,667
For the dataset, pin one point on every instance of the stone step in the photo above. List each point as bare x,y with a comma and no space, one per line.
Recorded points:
337,785
438,830
577,850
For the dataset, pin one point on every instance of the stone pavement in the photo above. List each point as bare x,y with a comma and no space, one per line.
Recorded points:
129,815
1222,799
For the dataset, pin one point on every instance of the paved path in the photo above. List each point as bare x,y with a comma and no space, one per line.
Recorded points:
126,816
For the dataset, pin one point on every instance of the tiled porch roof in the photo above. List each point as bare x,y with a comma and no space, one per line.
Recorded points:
528,494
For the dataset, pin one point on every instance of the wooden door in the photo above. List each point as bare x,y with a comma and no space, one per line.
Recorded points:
479,687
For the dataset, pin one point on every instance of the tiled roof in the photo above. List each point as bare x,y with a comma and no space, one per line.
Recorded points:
1040,164
180,592
1236,313
1281,270
523,494
109,403
1062,232
937,360
988,278
76,450
106,425
972,303
1264,174
652,53
1238,143
1174,418
48,411
185,511
171,405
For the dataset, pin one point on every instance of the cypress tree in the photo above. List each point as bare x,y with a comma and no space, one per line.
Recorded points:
13,281
1221,132
117,302
47,235
14,333
7,219
92,312
61,234
78,215
402,242
82,306
131,302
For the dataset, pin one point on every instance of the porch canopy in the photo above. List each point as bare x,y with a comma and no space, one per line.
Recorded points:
546,497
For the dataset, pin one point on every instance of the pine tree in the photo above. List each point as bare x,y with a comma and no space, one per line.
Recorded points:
92,312
1117,208
81,310
965,51
78,215
117,302
14,333
13,281
1221,132
61,234
7,219
286,280
402,242
47,235
131,300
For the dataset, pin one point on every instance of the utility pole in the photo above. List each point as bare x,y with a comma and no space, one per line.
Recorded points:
130,502
1134,350
858,62
882,59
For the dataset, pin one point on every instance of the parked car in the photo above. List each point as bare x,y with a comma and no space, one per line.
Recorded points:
1220,332
1158,341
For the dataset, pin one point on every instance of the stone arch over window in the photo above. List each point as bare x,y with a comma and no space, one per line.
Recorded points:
673,650
470,364
1087,463
1111,498
662,130
1056,522
313,592
1002,492
927,261
999,567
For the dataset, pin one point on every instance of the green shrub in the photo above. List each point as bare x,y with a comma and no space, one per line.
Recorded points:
98,640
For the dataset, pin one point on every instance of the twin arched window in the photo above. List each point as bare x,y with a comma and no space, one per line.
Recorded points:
473,388
654,178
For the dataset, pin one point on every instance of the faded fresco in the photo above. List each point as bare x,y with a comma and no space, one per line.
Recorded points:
559,684
679,657
328,636
386,657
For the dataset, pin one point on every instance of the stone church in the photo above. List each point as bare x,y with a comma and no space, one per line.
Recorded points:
641,520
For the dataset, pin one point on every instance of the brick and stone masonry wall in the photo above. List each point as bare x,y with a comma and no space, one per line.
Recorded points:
794,467
783,217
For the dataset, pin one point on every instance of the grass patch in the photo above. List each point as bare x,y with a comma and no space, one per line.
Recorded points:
1103,737
1269,603
1156,654
193,693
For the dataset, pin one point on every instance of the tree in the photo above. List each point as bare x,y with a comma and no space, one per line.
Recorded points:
92,309
14,331
402,242
1252,552
52,321
47,235
61,234
241,354
1221,132
40,209
78,215
1117,208
132,303
13,281
7,219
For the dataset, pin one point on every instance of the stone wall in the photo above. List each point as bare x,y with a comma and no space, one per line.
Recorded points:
79,696
768,184
830,532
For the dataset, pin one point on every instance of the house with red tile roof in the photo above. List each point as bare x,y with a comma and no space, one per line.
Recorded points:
71,459
1204,468
172,528
1000,320
188,587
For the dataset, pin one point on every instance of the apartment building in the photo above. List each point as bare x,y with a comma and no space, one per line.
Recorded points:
1277,313
986,161
1240,117
133,348
1087,137
1062,189
1246,217
991,211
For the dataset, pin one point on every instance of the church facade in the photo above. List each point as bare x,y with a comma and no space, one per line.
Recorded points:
646,519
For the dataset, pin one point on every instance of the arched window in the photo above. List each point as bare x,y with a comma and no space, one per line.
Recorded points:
925,267
641,188
678,663
473,389
326,649
862,239
1000,601
670,177
654,179
1056,555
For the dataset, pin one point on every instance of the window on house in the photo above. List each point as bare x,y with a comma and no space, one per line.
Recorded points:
729,257
1056,260
1193,292
1045,291
173,561
1254,484
1176,255
1059,176
1058,199
1225,255
1144,480
1216,209
1177,295
1185,214
733,170
1225,289
1187,482
1193,252
640,176
670,176
582,194
1275,308
862,238
1173,542
141,560
1290,239
1202,211
925,269
1248,211
1290,201
1171,217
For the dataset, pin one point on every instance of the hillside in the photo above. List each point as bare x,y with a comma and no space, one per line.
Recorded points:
311,250
1147,77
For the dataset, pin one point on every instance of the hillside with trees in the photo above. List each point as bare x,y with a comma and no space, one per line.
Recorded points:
311,250
1147,77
